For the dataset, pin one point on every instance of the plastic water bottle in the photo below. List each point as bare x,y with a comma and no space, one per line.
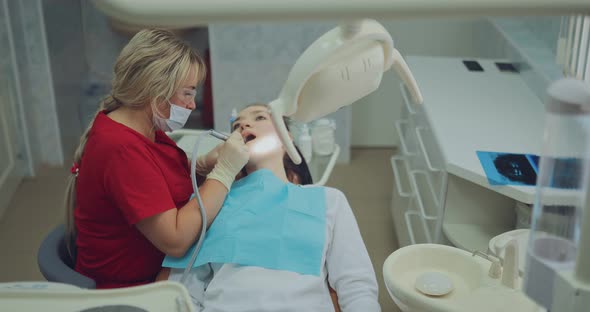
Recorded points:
323,136
560,229
304,143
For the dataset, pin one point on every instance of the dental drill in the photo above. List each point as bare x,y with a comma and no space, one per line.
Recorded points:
220,136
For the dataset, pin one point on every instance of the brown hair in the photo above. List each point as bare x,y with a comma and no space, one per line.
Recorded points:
297,174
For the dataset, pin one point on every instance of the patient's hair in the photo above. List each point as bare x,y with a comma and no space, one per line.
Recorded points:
297,174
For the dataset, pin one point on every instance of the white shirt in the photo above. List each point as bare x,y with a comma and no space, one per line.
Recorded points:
346,266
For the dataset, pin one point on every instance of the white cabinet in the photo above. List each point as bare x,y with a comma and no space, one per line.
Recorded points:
420,182
441,193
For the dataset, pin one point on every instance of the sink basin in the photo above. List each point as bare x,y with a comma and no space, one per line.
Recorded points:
473,289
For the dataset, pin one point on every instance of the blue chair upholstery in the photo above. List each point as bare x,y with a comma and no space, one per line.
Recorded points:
55,263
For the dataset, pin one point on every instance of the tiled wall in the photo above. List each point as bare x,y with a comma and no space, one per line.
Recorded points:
64,40
102,44
83,48
36,82
10,122
532,44
251,61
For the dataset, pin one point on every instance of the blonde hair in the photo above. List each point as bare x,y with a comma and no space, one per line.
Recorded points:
148,71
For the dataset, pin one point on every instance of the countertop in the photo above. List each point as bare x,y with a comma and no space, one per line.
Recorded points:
480,111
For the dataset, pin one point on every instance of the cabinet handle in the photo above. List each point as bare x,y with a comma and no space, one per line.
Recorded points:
411,110
423,148
422,211
411,230
398,126
419,196
397,176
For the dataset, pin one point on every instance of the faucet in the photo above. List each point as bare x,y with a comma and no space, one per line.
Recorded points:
495,269
510,267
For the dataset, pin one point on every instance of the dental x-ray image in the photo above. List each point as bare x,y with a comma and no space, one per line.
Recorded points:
522,169
507,168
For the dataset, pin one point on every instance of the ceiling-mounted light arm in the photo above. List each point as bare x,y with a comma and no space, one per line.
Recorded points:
402,69
339,68
189,13
350,29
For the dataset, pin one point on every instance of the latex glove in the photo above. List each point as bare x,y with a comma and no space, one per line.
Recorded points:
233,156
206,163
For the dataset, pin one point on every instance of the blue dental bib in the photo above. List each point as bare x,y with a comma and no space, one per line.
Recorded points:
267,223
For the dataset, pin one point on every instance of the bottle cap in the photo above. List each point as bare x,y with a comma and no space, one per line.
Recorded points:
234,115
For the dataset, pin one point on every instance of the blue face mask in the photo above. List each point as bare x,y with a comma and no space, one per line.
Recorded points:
178,117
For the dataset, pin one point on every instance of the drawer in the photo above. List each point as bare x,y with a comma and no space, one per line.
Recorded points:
429,150
410,110
428,202
402,194
407,137
430,160
409,105
417,228
401,175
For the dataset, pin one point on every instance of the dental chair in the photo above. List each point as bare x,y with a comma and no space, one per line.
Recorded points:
55,262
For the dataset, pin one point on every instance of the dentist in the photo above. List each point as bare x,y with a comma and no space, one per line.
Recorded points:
128,200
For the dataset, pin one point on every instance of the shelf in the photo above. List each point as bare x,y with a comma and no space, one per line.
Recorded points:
472,237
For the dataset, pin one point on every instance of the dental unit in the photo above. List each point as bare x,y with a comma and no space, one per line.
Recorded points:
218,135
340,67
348,63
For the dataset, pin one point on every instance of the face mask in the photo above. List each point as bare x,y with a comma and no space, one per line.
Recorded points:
178,117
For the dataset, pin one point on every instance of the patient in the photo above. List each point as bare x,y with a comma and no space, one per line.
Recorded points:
277,245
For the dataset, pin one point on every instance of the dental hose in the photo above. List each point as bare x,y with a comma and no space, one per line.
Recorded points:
220,136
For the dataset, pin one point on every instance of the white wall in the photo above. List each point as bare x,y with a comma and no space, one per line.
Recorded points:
372,116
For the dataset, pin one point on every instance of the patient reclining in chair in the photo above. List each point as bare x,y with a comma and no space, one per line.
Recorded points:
278,244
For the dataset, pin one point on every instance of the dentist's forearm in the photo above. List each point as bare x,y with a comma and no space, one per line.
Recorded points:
175,230
213,194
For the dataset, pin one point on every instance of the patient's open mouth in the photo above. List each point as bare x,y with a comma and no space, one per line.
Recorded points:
249,138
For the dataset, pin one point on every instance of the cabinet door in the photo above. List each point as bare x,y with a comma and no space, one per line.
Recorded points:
416,226
402,194
11,164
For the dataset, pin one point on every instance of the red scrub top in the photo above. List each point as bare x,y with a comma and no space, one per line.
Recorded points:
123,179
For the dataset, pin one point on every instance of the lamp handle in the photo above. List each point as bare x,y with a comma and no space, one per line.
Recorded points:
276,115
402,69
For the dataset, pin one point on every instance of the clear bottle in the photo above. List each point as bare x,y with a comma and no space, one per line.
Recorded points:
304,143
234,115
323,136
557,235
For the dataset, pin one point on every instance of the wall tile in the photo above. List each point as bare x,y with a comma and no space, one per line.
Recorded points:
532,43
251,61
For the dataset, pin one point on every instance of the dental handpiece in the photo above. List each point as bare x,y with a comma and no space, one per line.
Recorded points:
218,135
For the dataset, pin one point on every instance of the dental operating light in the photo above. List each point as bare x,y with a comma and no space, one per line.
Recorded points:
340,67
